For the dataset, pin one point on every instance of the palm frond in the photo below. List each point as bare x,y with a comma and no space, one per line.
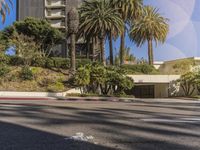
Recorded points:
98,17
150,26
4,8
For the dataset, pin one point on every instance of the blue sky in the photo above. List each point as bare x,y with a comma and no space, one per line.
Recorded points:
183,39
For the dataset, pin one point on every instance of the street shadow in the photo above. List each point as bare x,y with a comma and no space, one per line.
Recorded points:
119,125
16,137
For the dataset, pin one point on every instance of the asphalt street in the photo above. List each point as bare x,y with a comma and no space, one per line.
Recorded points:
141,125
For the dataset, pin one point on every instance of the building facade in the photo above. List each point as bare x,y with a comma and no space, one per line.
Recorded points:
30,8
55,11
164,85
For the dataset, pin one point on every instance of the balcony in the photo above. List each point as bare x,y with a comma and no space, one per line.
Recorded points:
55,13
55,3
58,23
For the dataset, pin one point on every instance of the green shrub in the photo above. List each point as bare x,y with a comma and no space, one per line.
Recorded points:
56,87
61,63
98,79
53,62
16,61
146,69
26,73
82,62
39,62
35,70
4,70
56,62
46,82
82,78
141,68
49,63
4,59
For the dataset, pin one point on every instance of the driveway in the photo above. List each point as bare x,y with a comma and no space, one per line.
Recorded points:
140,125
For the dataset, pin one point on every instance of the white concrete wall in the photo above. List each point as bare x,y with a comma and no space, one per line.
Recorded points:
161,90
154,78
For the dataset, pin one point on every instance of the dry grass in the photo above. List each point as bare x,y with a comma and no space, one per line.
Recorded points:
44,79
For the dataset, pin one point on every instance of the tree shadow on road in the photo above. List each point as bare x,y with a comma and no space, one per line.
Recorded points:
119,125
16,137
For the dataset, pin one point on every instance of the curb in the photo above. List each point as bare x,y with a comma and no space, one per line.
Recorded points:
96,99
26,98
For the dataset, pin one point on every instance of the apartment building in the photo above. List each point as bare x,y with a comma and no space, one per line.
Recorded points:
55,11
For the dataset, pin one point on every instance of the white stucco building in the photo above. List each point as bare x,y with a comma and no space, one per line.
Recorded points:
163,86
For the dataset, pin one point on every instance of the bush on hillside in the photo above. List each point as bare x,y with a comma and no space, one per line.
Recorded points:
82,62
16,61
102,80
53,62
56,87
140,68
4,59
26,73
4,70
61,63
39,62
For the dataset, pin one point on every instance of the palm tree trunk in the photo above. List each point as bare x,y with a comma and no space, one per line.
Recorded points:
122,47
93,49
111,49
88,49
102,44
73,52
150,52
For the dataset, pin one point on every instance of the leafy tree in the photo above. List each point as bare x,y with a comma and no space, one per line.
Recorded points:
38,29
151,26
188,83
129,10
97,18
25,47
182,66
98,79
4,8
197,80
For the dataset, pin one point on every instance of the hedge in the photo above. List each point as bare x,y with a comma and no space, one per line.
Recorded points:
53,62
139,68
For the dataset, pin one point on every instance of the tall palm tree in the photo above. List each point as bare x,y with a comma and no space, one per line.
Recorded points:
113,34
151,26
73,25
128,9
98,17
4,8
110,37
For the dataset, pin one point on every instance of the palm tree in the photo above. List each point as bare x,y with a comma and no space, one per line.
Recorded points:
112,35
4,8
151,26
128,9
98,17
73,24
